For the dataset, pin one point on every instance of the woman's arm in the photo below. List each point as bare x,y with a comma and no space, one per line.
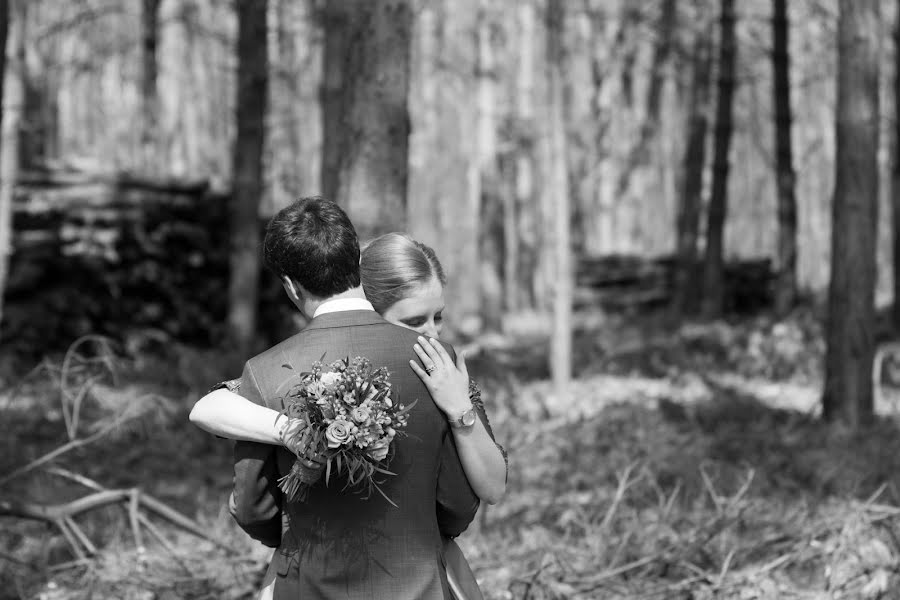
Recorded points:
481,458
229,415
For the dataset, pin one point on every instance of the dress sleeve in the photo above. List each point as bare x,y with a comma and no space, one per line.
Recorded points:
232,385
478,403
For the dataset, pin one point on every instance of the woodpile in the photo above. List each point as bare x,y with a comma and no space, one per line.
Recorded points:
620,282
108,253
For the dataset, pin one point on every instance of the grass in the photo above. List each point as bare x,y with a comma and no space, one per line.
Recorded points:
668,472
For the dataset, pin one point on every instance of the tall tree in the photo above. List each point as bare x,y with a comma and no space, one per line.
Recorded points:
149,71
334,20
484,179
247,187
895,187
523,195
713,267
290,135
445,180
849,332
640,152
12,92
558,194
370,161
691,176
786,284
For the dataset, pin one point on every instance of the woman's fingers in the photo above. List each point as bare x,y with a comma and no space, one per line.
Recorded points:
420,372
427,360
445,356
432,353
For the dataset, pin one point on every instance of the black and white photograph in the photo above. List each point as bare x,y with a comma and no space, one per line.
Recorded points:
449,299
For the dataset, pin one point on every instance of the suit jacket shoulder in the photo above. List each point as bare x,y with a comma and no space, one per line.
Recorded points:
270,375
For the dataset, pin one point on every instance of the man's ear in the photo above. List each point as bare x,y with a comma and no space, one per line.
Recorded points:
294,290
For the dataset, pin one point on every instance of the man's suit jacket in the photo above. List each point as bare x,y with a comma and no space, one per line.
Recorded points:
337,544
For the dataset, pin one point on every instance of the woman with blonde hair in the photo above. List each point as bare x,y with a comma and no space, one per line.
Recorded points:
404,281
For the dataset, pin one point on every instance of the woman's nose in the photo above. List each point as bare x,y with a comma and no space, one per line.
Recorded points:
430,329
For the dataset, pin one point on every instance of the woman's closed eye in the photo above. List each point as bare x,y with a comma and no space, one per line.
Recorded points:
414,321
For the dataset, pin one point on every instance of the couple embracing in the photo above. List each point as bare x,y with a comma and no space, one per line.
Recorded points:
383,303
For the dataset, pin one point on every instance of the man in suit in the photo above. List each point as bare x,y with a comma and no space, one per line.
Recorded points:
336,543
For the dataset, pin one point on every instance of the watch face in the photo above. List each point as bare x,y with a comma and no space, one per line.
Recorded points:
468,418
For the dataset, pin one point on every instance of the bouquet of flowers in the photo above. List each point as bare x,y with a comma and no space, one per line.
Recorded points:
341,419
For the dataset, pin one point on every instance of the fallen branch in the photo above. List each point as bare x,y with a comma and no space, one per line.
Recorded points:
17,561
52,513
141,518
595,581
67,447
136,503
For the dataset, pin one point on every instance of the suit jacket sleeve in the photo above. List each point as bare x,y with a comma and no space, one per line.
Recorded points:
256,500
456,501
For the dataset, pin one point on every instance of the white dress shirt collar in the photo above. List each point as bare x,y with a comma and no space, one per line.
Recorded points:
341,305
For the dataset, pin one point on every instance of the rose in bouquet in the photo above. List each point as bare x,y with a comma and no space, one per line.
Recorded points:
341,420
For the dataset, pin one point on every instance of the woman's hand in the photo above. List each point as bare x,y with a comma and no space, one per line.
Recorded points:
481,459
447,383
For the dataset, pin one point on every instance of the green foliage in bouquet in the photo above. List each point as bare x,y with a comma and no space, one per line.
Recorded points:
342,420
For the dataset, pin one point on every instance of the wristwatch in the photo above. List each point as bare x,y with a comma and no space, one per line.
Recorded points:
465,420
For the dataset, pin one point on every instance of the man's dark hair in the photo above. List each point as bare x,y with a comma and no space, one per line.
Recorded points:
313,242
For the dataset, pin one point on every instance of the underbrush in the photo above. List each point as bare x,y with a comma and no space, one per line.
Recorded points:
100,420
754,503
650,479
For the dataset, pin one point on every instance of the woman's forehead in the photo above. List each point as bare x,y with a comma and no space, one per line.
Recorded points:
424,298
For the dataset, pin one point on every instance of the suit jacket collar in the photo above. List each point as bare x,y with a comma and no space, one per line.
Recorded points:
345,318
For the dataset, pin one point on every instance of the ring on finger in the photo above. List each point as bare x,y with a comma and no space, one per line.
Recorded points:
430,369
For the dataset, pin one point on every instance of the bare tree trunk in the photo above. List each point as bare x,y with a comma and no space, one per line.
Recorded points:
511,241
786,284
335,29
484,181
149,95
12,92
664,30
373,137
640,154
291,170
514,273
558,192
445,183
895,191
849,330
247,188
713,291
691,184
602,203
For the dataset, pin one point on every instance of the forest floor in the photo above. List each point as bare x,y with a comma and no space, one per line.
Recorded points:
685,462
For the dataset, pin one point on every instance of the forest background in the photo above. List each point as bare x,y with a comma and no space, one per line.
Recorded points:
642,196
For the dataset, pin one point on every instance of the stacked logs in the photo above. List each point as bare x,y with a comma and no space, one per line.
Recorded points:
619,282
112,253
109,253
